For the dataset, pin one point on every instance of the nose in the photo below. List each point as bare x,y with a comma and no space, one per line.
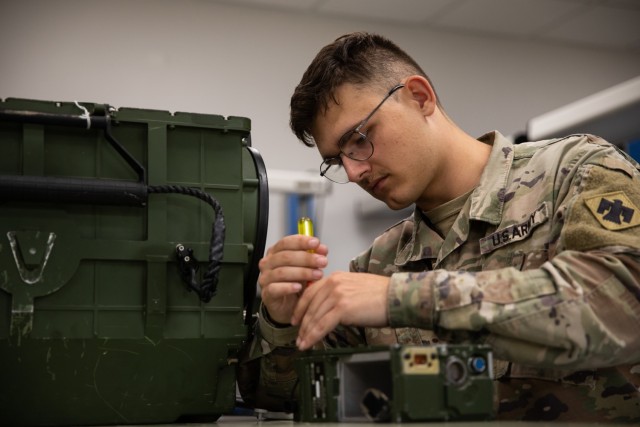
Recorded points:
356,169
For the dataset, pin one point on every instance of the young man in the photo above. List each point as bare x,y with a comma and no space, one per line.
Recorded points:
533,248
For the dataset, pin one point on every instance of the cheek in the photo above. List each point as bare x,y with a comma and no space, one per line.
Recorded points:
410,172
402,157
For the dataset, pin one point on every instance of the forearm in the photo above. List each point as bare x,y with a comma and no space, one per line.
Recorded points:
266,371
578,310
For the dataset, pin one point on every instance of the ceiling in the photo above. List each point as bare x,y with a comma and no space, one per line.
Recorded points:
610,24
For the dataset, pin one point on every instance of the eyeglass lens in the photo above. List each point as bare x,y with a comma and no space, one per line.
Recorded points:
355,145
332,169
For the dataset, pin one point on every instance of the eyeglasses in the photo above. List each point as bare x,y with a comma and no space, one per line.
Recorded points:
353,144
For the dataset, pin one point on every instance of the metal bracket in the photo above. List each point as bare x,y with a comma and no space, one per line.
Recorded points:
30,265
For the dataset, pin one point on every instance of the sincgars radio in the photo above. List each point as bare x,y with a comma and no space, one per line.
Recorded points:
399,383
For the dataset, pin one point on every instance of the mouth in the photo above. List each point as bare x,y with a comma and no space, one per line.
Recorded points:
376,186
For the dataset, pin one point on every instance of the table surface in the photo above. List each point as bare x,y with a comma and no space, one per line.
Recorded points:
250,421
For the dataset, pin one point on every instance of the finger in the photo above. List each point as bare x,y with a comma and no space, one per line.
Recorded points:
306,298
289,274
280,290
280,299
292,258
295,242
318,330
315,303
322,249
325,309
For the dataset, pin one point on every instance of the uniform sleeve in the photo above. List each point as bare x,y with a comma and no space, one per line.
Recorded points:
266,373
578,310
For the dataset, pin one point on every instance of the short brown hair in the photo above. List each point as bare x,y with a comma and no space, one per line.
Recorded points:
356,58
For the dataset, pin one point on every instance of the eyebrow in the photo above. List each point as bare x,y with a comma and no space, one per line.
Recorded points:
351,129
331,157
365,120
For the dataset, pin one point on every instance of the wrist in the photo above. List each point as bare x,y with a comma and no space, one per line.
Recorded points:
283,336
273,322
410,301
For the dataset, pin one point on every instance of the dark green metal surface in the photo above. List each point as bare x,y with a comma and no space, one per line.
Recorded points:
397,384
96,326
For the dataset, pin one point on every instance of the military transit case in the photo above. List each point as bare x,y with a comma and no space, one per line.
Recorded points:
129,243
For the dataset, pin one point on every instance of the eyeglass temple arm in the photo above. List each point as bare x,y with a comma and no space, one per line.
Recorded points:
366,119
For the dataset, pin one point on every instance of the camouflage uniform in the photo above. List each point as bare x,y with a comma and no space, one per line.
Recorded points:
542,263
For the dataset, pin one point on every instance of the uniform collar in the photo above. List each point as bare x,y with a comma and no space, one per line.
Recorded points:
486,202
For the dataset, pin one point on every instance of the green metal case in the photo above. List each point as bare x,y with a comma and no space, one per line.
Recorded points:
396,384
97,324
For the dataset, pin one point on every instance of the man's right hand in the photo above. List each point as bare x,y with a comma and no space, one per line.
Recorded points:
286,269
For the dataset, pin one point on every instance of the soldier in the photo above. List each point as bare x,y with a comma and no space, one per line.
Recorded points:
532,248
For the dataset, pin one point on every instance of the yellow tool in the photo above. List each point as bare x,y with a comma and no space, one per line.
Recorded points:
305,227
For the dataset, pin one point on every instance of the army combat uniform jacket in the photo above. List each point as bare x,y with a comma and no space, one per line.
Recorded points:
542,263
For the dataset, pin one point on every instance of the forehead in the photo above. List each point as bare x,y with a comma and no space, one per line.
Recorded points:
351,105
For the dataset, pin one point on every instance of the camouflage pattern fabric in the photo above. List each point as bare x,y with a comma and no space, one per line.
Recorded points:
542,263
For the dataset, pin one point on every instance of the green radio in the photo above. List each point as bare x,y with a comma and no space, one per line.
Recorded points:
396,384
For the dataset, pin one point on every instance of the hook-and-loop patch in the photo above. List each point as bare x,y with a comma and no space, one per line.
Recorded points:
614,211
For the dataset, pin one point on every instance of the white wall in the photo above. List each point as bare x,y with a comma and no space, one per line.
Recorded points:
199,56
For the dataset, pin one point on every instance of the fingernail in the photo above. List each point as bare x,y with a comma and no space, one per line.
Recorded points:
297,287
314,242
321,261
316,274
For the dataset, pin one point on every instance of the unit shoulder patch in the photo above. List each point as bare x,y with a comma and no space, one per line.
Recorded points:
614,211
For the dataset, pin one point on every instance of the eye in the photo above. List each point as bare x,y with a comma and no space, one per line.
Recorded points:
330,162
355,145
334,161
359,138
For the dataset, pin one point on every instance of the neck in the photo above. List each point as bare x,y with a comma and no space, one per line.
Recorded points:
463,161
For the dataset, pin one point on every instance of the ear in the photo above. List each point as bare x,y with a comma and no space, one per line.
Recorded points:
422,93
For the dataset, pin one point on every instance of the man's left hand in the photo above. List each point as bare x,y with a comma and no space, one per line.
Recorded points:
355,299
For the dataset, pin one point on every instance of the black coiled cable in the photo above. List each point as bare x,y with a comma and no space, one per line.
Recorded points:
187,263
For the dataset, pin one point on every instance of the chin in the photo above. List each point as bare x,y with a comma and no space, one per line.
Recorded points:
397,205
393,203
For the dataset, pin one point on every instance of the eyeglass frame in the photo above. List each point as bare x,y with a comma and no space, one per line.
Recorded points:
347,135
